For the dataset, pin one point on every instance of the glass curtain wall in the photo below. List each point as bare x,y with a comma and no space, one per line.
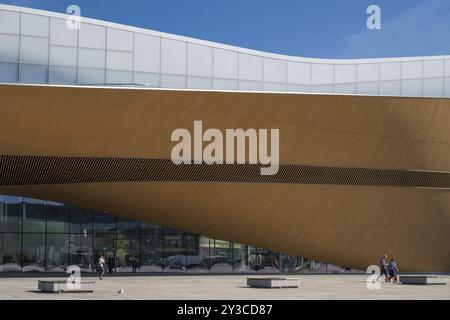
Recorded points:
43,236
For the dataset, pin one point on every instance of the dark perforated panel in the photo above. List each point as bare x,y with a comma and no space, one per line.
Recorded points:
38,170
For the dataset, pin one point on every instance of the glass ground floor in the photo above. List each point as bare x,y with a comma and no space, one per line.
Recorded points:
42,236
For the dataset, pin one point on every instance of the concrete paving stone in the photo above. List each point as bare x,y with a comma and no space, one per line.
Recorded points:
224,287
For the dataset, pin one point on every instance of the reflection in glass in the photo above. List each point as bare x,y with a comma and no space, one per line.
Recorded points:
10,252
80,221
221,256
244,258
33,255
128,246
197,255
127,226
11,215
151,252
317,267
81,251
174,252
104,223
127,253
254,259
57,252
297,265
104,246
150,228
291,264
270,261
307,265
34,216
57,218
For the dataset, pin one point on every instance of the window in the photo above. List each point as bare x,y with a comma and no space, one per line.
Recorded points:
197,255
57,218
127,247
174,251
10,252
104,223
104,246
221,256
33,255
244,259
81,251
11,211
270,261
34,216
150,228
80,221
57,252
127,226
151,252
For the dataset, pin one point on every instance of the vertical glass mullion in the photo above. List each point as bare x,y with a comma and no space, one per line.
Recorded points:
21,233
69,236
93,233
115,235
45,226
139,225
162,249
186,252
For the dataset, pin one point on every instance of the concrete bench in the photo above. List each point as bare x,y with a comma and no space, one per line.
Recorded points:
59,286
273,282
424,280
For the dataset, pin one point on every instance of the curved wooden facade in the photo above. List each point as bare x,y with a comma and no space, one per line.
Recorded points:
360,176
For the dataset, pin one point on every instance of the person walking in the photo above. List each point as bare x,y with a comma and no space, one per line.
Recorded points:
134,264
101,267
383,268
393,271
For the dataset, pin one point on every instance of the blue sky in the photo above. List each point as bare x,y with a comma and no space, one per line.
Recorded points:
319,28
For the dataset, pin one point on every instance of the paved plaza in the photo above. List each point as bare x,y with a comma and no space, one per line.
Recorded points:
224,287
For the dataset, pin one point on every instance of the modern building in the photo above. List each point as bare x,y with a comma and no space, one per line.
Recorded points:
87,116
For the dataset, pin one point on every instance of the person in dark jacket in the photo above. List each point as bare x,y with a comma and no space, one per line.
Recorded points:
393,270
134,264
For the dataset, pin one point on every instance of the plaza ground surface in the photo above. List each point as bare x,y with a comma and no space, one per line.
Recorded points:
224,287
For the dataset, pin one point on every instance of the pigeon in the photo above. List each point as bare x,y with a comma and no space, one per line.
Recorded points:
120,291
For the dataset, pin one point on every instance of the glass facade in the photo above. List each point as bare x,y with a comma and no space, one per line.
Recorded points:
43,236
37,47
